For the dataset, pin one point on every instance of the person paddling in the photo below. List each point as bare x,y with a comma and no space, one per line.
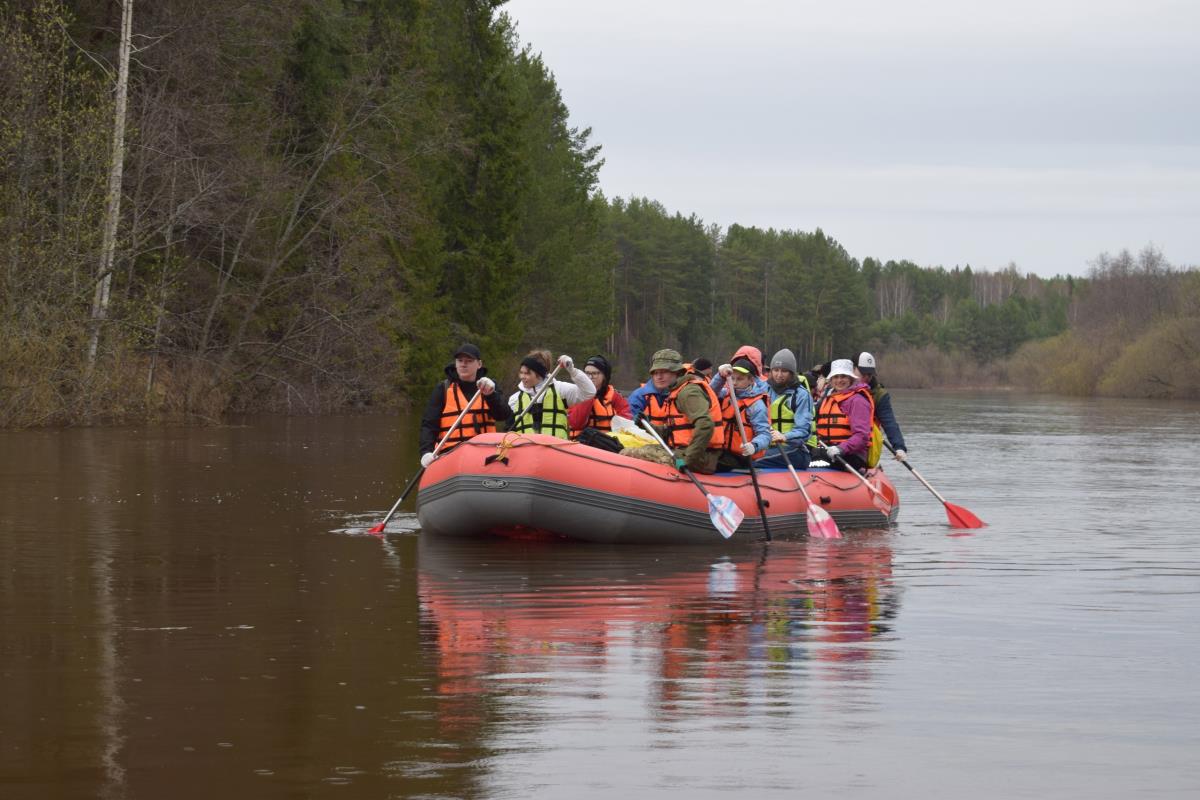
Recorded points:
791,413
751,354
885,417
694,428
743,395
465,376
843,421
547,413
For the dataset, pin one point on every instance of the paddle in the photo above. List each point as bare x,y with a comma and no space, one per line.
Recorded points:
378,529
959,517
724,513
820,524
537,395
881,502
737,415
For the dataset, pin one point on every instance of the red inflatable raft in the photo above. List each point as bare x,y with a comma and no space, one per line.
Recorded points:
535,485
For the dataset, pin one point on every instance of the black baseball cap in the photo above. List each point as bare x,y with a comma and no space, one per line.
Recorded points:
468,349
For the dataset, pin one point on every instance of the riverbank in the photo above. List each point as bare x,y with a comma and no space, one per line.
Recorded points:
1155,366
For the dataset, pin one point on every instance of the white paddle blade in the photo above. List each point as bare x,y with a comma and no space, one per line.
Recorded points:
725,514
821,525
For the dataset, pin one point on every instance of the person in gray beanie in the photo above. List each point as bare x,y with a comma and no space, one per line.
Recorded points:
791,413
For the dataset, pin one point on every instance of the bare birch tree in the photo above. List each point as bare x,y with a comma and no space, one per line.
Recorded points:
112,213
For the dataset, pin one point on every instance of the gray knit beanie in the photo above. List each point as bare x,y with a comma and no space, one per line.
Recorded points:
784,360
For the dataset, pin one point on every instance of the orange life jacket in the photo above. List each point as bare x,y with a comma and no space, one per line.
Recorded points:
601,415
733,436
477,420
832,424
656,411
679,427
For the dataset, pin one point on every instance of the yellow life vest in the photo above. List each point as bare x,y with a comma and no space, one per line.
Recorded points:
552,420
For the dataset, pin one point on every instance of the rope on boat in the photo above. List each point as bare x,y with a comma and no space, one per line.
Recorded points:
512,440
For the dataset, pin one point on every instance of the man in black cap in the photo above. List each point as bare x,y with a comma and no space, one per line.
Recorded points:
465,376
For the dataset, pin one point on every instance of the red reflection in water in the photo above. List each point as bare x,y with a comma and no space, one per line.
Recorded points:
699,628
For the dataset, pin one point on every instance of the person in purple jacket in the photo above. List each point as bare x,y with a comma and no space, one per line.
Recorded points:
843,420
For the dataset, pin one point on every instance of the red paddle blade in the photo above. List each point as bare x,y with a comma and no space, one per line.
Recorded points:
378,529
821,525
961,518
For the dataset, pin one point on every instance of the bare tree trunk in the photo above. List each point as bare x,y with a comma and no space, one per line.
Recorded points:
112,212
161,311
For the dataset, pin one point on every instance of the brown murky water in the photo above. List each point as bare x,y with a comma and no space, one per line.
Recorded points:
200,613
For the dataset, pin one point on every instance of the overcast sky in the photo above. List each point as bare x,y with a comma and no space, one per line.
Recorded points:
947,132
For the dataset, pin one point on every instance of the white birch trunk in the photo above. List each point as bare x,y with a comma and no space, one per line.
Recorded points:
112,212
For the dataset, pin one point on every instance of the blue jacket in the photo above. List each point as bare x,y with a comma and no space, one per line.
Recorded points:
760,419
885,416
801,403
718,385
638,398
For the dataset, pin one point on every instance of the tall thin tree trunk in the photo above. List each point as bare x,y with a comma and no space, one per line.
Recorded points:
112,212
161,311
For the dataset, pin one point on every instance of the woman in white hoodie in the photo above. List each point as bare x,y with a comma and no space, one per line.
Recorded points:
547,412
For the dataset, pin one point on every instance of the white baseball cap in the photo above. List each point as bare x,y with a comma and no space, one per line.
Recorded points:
867,360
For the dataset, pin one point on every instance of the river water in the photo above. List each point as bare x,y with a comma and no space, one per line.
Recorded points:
199,612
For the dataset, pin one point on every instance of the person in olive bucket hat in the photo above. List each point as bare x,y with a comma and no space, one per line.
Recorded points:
691,426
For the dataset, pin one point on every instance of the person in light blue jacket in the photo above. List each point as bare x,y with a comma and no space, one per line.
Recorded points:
752,405
791,413
718,380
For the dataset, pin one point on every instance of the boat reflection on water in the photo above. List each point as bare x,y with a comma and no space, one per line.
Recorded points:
685,632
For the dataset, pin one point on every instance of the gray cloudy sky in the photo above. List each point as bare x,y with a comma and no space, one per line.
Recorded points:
948,132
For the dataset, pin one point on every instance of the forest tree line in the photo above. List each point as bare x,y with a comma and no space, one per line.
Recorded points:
322,198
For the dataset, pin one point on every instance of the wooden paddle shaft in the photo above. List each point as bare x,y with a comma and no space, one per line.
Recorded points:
437,449
792,469
737,415
913,470
537,395
859,475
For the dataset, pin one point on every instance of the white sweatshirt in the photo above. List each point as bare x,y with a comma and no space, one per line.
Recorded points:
580,389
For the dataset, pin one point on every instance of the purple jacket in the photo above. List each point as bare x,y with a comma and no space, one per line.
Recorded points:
858,409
